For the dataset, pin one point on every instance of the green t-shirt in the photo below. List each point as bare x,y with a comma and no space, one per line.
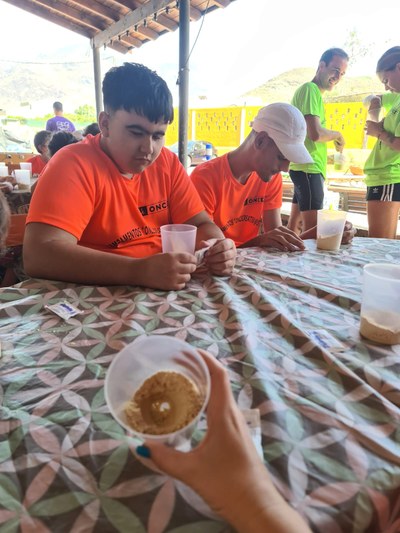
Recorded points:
383,164
308,99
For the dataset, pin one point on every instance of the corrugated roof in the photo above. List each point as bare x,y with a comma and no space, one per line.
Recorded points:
120,25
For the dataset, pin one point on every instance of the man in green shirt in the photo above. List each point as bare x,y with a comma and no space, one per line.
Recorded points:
308,179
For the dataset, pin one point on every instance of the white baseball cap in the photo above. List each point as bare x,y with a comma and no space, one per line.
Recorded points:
287,127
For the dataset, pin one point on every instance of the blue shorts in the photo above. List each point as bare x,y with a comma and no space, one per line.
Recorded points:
308,190
384,193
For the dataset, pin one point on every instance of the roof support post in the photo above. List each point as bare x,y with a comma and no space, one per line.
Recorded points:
183,79
97,79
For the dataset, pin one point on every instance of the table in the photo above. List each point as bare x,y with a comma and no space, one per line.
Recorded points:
330,418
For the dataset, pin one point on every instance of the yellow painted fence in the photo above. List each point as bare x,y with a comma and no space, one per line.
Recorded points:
228,126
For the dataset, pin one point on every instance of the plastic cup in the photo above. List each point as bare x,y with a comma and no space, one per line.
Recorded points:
23,178
143,358
26,166
178,238
2,164
330,226
3,171
380,305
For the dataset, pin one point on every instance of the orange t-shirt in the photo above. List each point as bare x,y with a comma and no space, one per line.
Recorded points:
37,164
236,209
82,192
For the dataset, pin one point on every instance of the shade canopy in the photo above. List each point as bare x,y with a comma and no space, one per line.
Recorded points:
121,25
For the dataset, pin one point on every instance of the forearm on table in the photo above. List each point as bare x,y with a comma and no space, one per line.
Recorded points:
78,264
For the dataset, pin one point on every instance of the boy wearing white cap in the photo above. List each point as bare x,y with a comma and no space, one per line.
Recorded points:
242,190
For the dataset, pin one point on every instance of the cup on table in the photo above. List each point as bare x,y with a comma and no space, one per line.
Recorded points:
3,171
330,226
23,178
380,305
26,166
178,238
139,361
2,164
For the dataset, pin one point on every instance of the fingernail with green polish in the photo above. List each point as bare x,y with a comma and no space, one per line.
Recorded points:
143,451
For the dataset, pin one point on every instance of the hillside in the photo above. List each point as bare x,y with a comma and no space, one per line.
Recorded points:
282,87
31,89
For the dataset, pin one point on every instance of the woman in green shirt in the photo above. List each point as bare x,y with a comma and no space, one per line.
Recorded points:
382,168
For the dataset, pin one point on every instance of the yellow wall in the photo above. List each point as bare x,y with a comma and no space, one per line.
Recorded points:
223,126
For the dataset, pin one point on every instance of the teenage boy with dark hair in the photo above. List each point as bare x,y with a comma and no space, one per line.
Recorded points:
96,214
41,142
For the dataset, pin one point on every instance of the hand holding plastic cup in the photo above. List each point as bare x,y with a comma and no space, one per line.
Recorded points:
330,226
135,366
380,306
178,238
23,178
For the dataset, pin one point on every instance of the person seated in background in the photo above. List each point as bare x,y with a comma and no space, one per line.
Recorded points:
59,140
91,129
96,213
225,468
41,142
242,190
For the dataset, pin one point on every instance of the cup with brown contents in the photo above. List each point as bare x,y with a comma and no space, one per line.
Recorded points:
157,388
380,306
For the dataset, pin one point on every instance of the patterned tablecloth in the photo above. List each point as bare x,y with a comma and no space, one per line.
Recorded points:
330,417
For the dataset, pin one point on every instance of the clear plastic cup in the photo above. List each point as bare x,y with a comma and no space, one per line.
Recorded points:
142,359
26,166
330,226
3,171
23,178
380,305
178,238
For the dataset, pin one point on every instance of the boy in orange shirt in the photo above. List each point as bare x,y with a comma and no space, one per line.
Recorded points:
96,213
242,190
41,142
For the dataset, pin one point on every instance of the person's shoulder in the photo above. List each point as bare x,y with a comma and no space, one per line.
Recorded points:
210,168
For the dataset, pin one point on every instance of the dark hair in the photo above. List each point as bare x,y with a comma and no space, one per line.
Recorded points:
61,139
41,138
57,106
134,87
91,129
328,55
389,59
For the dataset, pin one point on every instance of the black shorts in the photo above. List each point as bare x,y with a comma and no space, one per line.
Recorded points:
384,193
308,190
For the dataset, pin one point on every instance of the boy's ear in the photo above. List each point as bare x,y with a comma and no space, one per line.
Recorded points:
104,123
261,139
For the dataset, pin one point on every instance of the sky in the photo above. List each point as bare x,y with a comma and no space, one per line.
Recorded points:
238,48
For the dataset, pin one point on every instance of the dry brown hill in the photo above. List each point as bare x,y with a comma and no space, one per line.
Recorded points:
282,87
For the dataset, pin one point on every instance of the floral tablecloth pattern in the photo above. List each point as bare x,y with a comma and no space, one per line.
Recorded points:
330,416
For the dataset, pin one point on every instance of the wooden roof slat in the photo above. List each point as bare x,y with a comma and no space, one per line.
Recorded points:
97,8
129,20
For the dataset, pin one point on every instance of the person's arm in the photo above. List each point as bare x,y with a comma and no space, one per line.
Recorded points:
373,103
53,253
221,256
319,134
376,129
226,470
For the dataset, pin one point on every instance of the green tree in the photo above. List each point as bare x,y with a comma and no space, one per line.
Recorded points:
86,113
